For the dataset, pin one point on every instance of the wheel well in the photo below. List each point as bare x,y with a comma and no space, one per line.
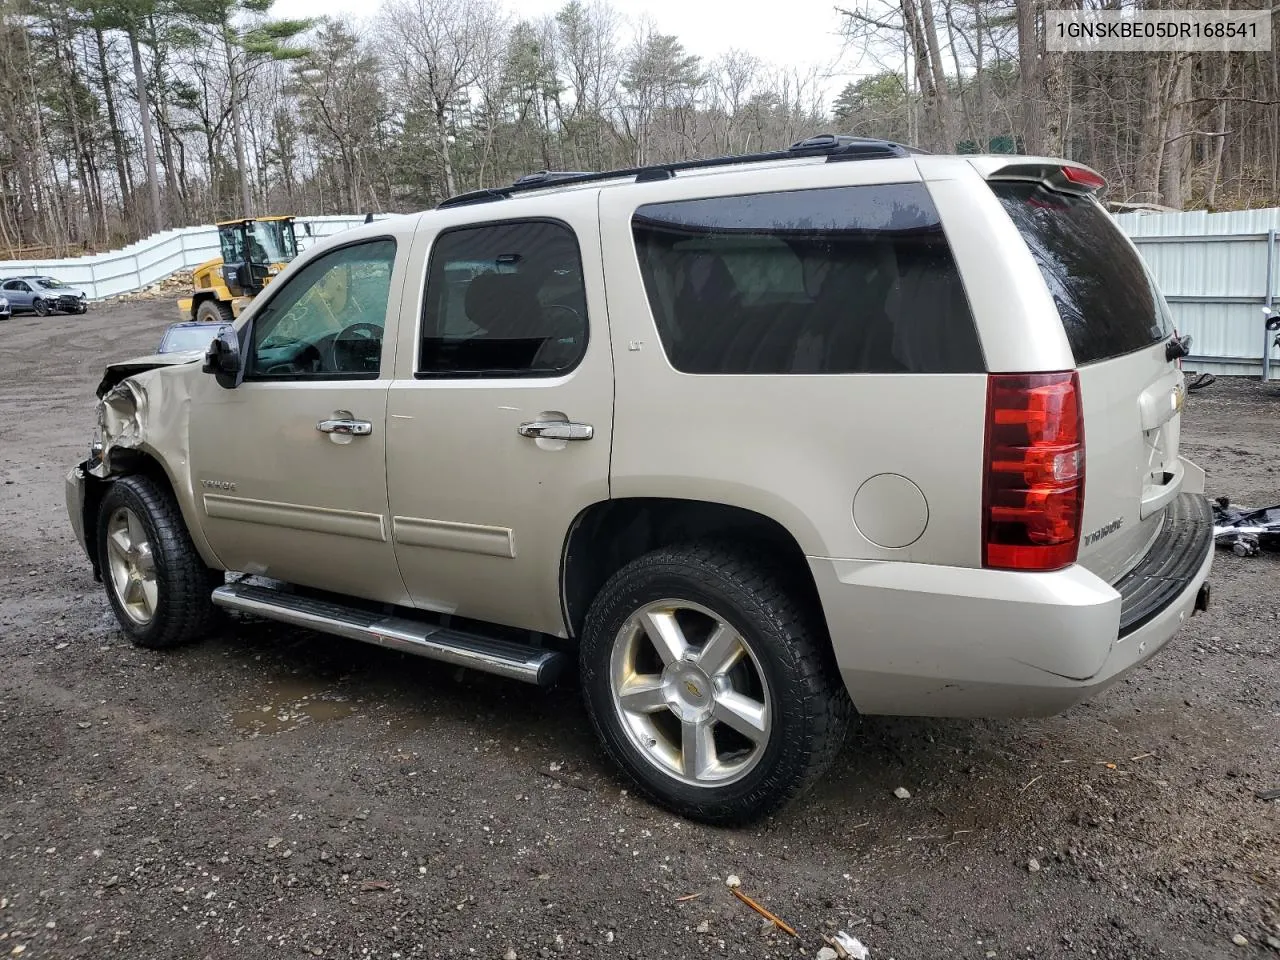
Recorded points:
609,535
123,463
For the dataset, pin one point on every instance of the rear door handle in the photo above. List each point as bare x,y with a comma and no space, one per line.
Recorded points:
556,430
354,428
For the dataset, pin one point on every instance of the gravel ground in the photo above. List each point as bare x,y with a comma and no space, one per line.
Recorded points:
274,793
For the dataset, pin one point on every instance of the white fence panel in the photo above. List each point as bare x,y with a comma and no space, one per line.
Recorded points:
1217,270
149,261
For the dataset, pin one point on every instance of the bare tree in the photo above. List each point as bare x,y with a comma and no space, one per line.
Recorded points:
438,48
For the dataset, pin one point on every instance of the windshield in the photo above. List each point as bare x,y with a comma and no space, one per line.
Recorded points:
50,283
273,241
178,339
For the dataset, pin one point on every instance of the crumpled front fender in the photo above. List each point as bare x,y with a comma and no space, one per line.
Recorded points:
143,427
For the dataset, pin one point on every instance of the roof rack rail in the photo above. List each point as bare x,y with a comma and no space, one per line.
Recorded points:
835,148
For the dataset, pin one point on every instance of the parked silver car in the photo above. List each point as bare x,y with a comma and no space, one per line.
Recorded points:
6,311
43,295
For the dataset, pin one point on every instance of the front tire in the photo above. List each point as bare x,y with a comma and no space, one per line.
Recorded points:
40,307
709,680
214,311
159,588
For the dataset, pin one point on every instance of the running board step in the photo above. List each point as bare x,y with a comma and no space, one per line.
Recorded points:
511,660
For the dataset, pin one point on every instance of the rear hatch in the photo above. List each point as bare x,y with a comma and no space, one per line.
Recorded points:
1118,326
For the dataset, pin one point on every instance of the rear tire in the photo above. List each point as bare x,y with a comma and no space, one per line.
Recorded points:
709,679
214,311
159,588
40,307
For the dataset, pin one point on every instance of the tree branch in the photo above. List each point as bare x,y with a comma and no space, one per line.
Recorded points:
1198,133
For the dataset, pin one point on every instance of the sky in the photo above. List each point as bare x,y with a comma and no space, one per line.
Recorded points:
801,33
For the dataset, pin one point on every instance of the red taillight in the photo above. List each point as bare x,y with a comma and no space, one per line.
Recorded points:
1033,494
1082,176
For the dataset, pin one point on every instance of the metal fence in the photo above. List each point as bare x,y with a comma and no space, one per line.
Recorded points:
1217,270
149,261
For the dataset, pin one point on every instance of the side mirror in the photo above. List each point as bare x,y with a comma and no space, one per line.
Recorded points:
1273,318
224,361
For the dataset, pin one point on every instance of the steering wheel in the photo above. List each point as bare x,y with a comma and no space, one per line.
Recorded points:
553,353
360,332
304,360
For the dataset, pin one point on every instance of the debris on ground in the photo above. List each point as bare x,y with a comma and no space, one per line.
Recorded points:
732,881
772,918
1272,794
843,946
173,285
1240,940
902,793
1245,530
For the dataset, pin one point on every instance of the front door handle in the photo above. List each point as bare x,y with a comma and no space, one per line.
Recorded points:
556,430
352,428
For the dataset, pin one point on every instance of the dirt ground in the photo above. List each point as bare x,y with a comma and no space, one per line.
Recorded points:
275,793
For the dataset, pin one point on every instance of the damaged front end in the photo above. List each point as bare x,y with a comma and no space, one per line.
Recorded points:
138,417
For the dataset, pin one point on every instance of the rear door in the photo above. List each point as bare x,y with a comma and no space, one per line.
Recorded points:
1117,325
18,294
500,421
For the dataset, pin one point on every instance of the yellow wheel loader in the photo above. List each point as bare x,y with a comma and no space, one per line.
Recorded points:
254,250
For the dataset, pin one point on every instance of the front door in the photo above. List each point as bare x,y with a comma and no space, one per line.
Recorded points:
290,466
499,426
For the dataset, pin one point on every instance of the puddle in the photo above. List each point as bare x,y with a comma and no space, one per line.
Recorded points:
287,706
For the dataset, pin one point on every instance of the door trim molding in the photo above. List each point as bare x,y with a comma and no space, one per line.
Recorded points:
297,516
451,535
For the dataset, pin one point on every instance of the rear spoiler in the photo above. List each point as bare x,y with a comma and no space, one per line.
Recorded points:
1063,177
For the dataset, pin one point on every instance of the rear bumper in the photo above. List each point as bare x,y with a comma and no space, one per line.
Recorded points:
921,640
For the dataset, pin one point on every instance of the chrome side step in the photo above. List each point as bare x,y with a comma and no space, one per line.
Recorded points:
511,660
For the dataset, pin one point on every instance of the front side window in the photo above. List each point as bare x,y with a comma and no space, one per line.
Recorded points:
327,321
834,280
231,240
504,300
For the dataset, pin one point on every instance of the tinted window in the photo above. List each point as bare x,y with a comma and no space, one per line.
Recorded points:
839,280
1104,293
504,300
327,321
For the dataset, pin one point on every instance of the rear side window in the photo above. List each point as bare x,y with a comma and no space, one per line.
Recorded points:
835,280
1105,296
504,300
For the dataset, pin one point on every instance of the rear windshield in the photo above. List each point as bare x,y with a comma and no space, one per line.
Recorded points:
1104,293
